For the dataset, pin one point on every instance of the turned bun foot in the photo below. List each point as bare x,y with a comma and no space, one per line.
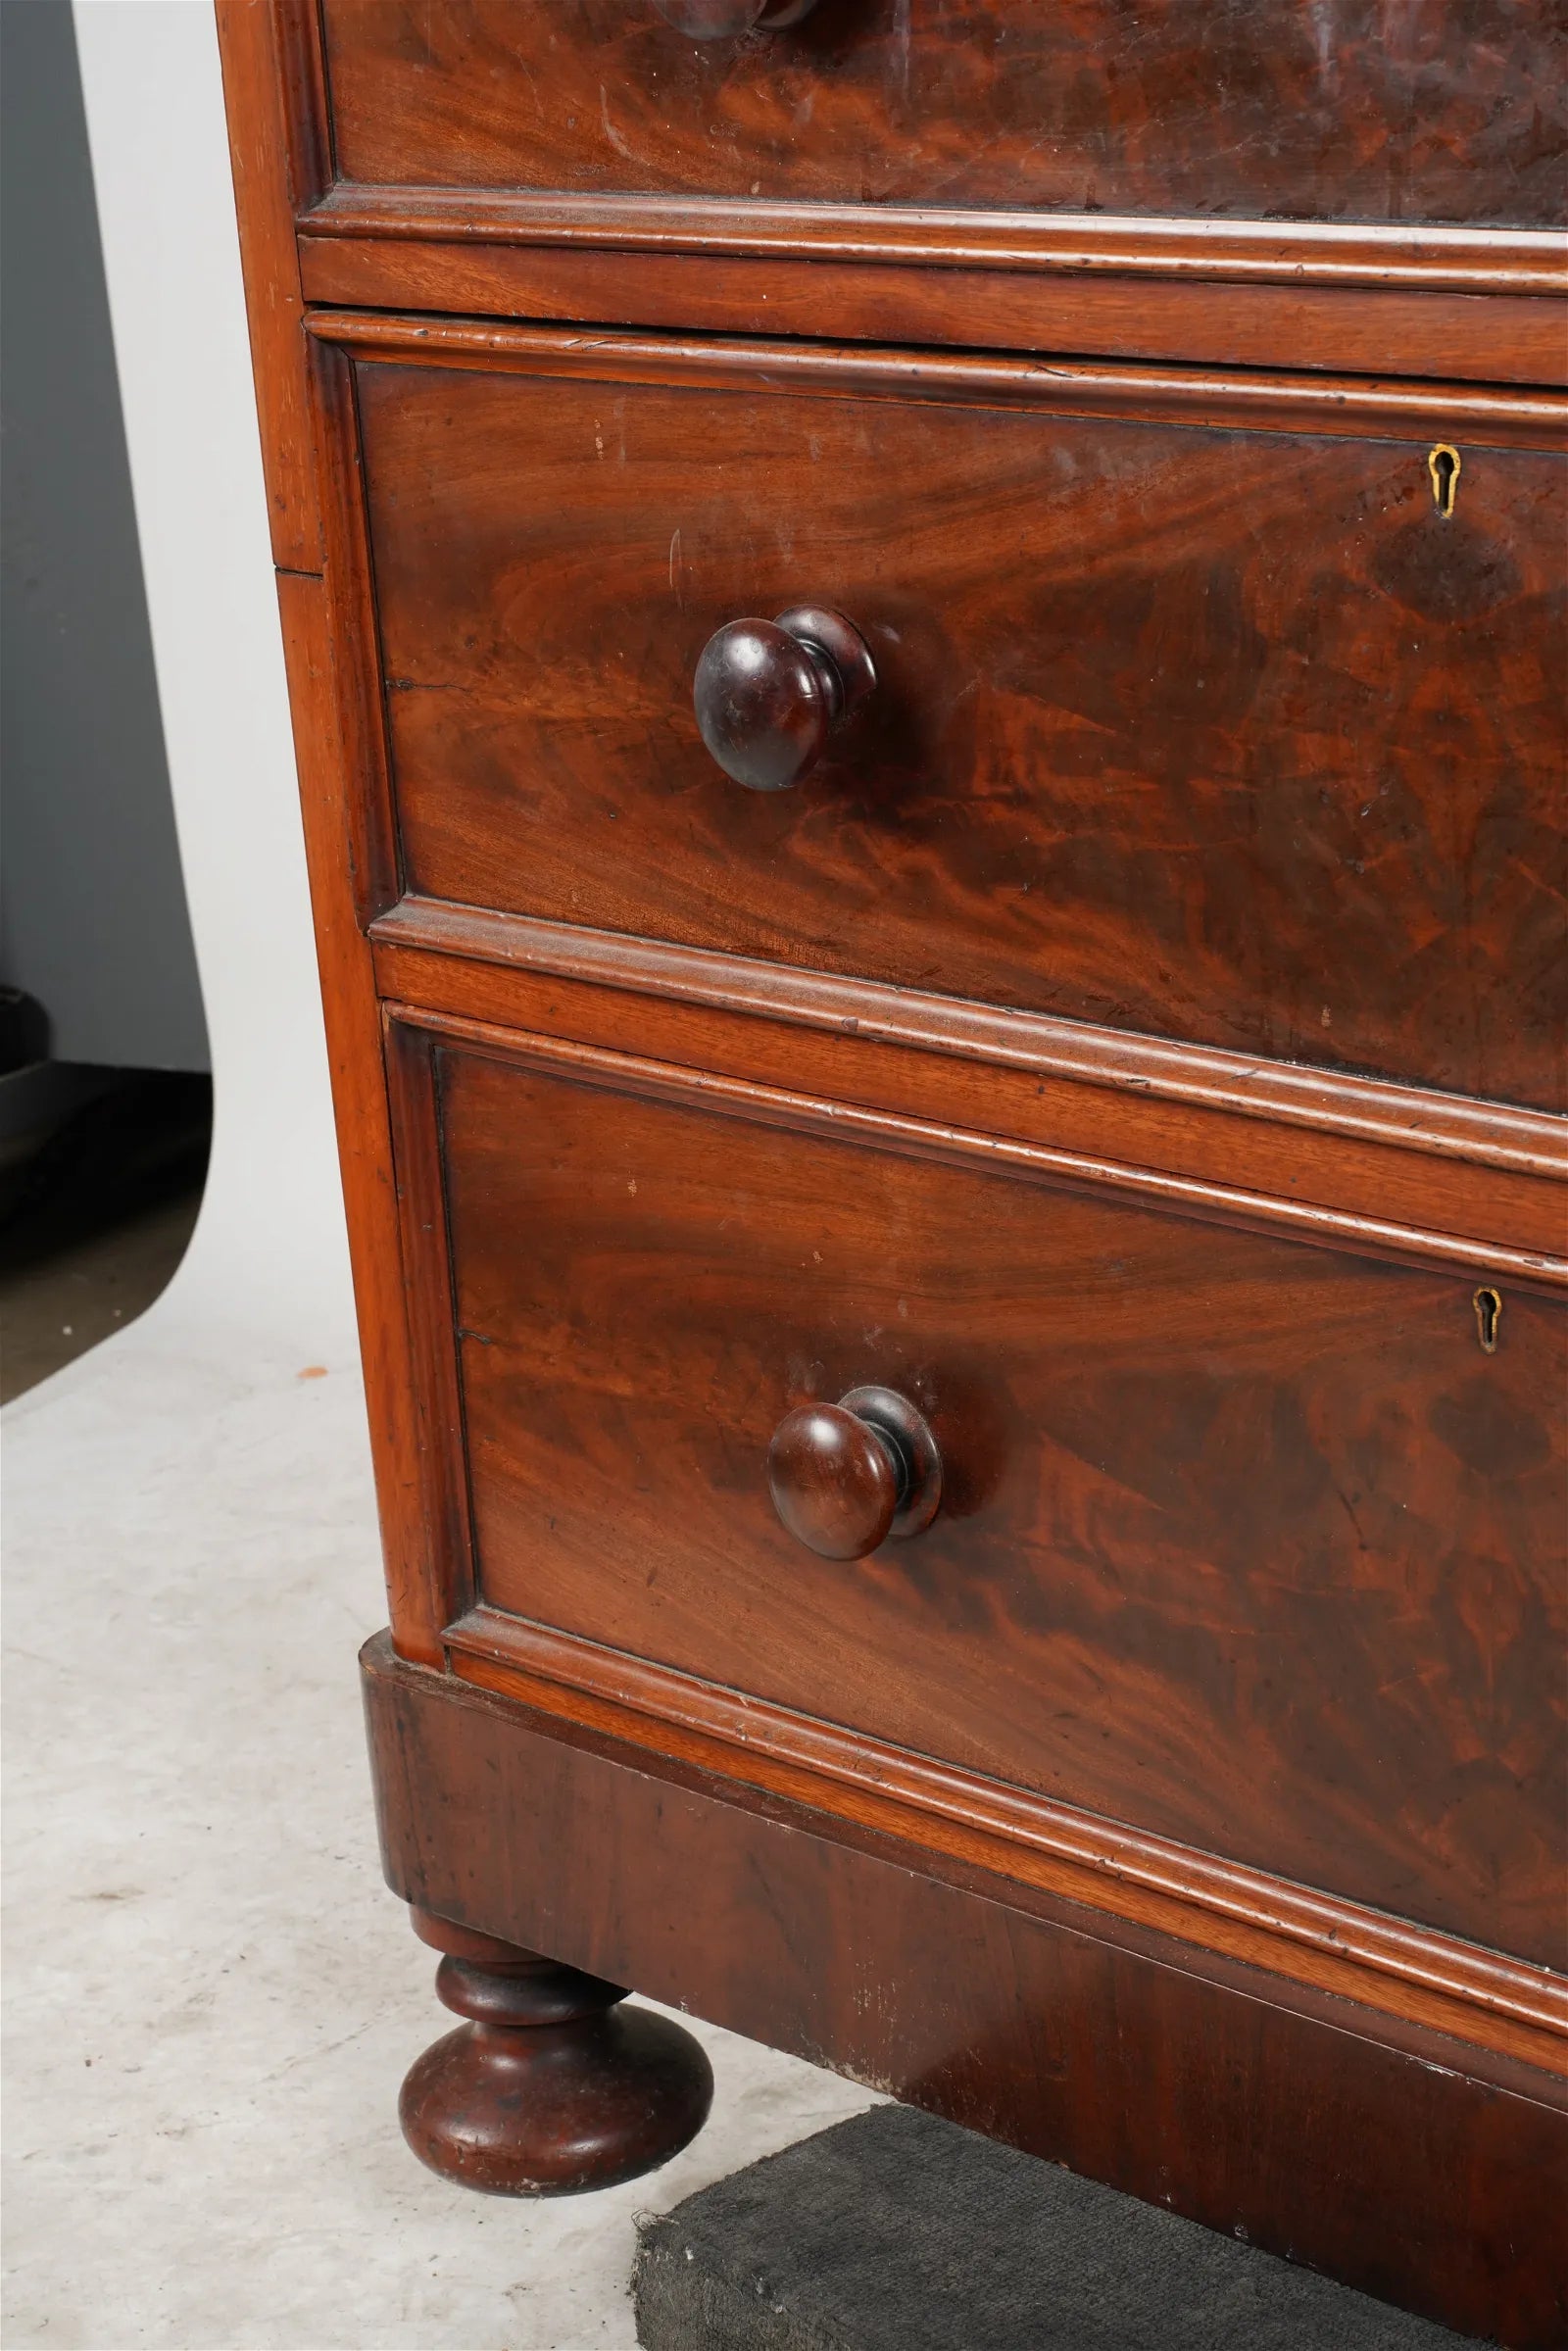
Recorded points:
550,2087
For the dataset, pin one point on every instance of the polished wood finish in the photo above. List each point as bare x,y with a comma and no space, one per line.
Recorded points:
1177,412
277,148
731,19
325,603
1413,2165
1212,108
1155,1410
1385,407
550,2087
1148,313
528,959
1214,735
1213,1904
1373,256
834,1481
1328,1158
770,695
1298,293
845,1478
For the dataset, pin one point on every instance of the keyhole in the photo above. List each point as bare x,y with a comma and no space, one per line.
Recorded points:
1488,1313
1444,464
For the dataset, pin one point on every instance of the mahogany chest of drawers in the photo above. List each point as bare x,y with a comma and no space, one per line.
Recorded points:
928,656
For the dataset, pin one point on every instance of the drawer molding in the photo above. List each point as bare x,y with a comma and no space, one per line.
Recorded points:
1485,1134
1462,302
771,1104
1439,259
1317,1938
1334,327
1203,398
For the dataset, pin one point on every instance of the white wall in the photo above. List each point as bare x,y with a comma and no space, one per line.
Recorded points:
269,1256
92,907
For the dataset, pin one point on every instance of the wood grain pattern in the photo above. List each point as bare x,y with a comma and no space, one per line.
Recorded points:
349,850
1298,1933
443,943
1218,107
1338,327
1365,255
1483,303
1250,1557
1167,1583
276,112
1420,2170
1448,1181
1253,398
322,707
1214,736
1044,1162
433,1459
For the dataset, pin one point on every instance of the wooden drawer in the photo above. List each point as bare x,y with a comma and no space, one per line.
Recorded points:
1222,735
1450,111
1246,1544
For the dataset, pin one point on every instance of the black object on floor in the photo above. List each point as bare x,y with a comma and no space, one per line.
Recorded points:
101,1176
895,2231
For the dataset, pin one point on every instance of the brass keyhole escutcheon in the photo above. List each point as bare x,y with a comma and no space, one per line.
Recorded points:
1488,1304
1444,464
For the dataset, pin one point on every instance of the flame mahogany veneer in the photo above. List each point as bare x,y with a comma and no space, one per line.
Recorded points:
965,1346
1453,112
1229,736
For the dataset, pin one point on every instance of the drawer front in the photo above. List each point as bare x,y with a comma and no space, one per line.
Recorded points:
1244,1543
1228,736
1447,111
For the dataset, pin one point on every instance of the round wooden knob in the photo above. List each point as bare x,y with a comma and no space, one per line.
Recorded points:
729,20
769,693
846,1477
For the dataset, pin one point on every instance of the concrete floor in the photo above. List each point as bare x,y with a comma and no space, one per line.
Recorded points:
210,1996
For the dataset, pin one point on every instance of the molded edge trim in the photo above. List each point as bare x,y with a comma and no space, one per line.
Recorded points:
1420,2167
1414,1118
764,1104
1501,260
1202,397
1382,1961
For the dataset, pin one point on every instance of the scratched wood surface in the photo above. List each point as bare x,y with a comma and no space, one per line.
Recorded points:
1247,1544
1229,737
1450,111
